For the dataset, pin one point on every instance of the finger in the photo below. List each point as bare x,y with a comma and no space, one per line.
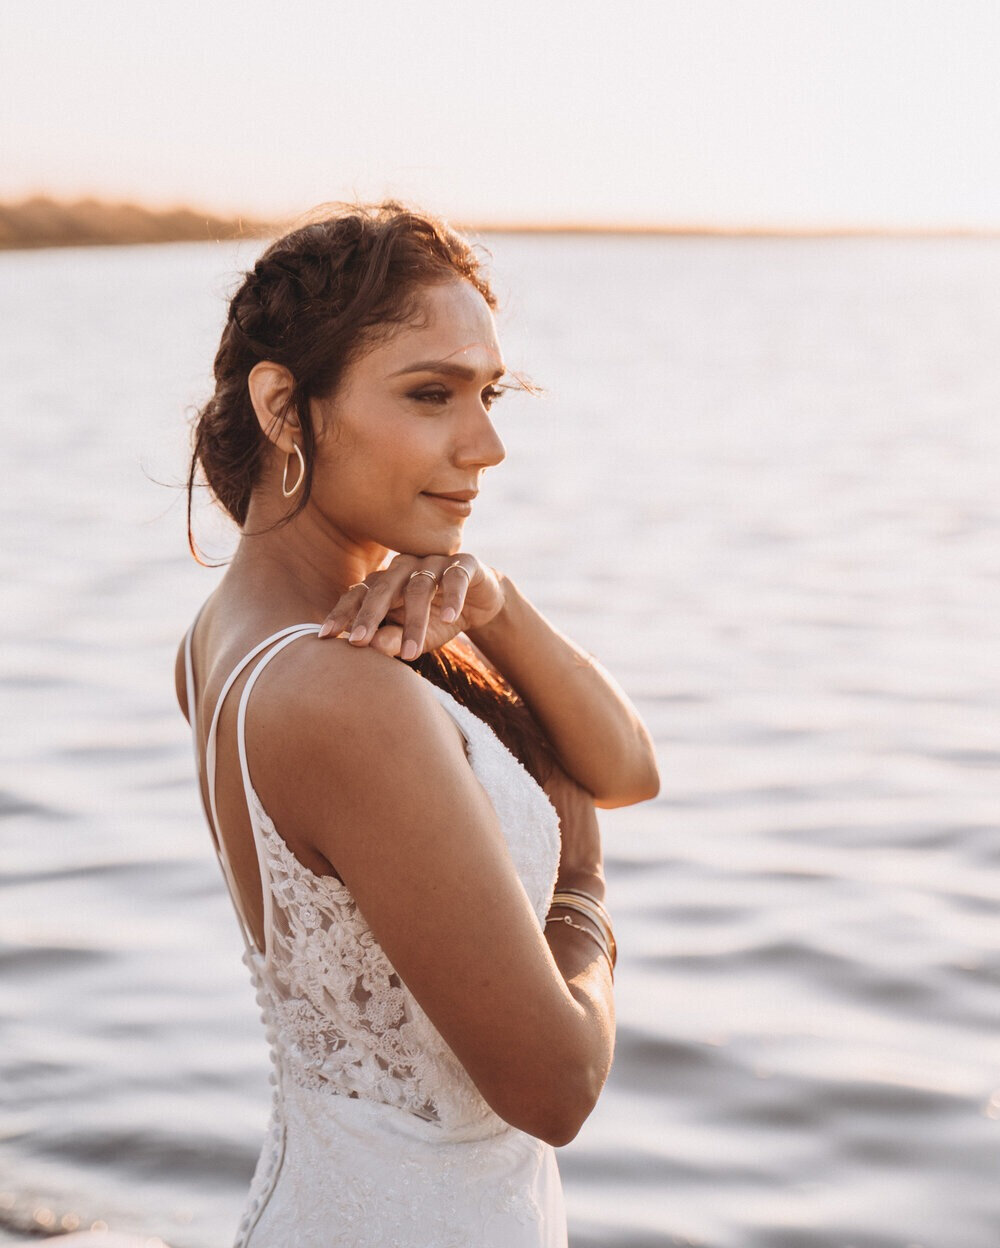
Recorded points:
387,582
387,640
455,582
420,589
345,609
382,595
384,590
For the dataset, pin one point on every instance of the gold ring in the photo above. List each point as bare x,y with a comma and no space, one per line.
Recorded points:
461,567
423,572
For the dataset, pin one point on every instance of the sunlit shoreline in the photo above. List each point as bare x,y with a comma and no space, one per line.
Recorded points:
40,222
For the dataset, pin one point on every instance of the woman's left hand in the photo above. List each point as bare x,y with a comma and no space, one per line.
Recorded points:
416,604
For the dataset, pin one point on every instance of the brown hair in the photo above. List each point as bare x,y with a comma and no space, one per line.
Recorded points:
313,302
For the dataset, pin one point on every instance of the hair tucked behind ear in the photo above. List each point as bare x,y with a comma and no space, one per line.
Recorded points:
313,302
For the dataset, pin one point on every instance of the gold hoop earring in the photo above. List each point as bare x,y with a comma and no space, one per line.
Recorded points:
286,492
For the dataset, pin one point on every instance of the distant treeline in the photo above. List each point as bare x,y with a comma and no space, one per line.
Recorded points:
43,222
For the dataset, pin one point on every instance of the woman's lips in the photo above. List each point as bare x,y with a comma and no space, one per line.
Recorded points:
458,504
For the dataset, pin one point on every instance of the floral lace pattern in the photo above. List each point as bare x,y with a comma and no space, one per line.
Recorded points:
343,1019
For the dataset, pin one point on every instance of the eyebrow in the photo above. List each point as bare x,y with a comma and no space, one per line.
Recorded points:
446,367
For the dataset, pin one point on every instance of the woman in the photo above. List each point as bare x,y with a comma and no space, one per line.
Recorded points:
425,928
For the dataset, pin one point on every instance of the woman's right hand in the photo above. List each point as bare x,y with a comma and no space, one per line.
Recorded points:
581,859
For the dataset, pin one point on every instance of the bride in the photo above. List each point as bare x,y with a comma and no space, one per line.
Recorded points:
399,759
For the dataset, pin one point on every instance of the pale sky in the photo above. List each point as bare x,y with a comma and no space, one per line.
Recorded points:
797,113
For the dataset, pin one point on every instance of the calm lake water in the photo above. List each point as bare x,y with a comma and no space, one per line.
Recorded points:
764,487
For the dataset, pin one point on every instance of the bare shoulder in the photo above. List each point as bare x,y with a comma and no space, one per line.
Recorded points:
367,745
342,705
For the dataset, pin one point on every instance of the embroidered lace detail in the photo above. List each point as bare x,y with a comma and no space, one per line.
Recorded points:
342,1019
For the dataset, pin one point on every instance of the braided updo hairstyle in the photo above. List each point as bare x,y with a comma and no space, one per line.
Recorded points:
316,299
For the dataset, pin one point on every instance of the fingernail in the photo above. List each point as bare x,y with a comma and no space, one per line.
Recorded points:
409,650
325,630
358,633
449,614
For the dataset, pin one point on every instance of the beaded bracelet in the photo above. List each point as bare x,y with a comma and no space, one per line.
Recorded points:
564,918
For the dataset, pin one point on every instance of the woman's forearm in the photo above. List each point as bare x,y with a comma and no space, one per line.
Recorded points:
592,726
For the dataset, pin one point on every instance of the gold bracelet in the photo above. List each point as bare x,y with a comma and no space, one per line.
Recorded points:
566,897
595,916
564,918
592,912
585,896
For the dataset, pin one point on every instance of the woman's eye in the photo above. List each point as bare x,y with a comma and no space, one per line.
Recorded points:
436,397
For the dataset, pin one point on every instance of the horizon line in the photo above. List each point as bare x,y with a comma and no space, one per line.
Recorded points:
252,226
749,230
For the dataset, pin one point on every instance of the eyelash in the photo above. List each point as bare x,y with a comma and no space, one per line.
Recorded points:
489,396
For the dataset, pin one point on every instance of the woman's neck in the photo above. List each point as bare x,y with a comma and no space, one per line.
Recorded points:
302,566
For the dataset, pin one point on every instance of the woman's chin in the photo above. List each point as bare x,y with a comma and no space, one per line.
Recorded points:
445,539
422,545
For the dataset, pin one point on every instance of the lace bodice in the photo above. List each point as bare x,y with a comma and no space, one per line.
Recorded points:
342,1019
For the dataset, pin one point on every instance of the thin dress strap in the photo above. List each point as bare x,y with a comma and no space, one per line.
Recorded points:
284,636
302,630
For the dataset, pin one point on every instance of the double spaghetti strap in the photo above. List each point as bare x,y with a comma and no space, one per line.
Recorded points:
302,630
278,641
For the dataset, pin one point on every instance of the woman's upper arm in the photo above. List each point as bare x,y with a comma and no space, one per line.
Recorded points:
384,791
180,682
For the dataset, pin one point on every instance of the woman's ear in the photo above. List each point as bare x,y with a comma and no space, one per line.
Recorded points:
271,388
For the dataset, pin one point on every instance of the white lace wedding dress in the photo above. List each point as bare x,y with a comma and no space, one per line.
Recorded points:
378,1138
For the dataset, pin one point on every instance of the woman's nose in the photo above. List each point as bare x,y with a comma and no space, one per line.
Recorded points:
481,447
